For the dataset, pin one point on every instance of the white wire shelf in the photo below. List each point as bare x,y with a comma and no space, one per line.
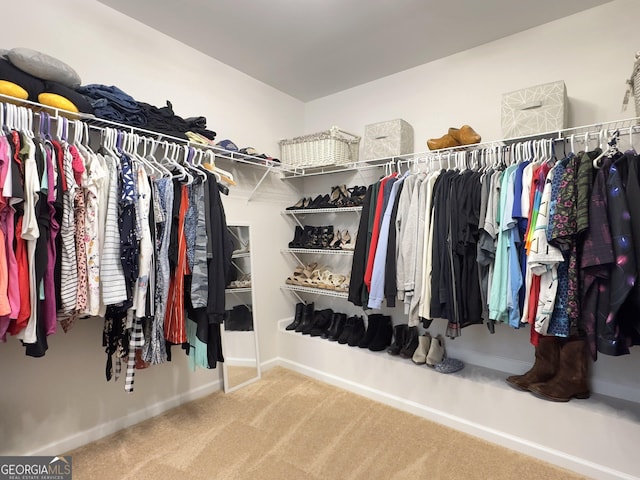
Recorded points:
237,290
241,255
319,251
304,211
290,171
580,134
100,123
315,291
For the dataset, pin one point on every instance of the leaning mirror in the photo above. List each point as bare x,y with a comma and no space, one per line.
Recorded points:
239,334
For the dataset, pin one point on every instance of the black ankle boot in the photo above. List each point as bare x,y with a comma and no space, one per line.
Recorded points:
321,322
410,342
346,331
338,327
399,335
307,317
298,318
383,335
372,328
332,326
297,238
357,332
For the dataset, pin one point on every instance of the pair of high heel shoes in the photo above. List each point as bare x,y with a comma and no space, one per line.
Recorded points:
321,238
341,241
340,196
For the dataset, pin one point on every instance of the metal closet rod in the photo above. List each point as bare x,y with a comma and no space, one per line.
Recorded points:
557,135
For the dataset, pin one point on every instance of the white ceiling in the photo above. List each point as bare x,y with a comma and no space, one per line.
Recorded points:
313,48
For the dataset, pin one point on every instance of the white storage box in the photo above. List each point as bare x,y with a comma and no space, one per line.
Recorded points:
532,110
331,147
387,139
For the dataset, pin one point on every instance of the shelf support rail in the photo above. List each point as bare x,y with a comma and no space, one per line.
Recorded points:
241,300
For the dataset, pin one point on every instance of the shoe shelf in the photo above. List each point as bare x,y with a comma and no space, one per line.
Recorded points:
290,171
241,255
305,211
318,251
315,291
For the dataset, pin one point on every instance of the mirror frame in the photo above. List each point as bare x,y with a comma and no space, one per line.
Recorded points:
225,374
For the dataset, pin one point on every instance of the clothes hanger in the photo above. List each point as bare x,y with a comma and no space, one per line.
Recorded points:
221,174
611,149
165,173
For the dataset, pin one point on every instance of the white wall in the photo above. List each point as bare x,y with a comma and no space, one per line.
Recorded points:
592,59
48,401
591,51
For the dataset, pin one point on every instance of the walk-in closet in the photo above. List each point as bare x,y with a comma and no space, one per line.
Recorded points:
271,308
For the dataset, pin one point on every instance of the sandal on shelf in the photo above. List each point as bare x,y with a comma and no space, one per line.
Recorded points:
344,287
309,269
324,280
302,203
337,280
297,277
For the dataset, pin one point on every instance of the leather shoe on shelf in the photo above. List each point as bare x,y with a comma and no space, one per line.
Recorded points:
298,317
346,330
307,318
465,135
399,336
446,141
374,321
357,332
420,355
410,343
383,335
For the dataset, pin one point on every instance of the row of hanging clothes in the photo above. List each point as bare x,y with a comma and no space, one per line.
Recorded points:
537,233
122,232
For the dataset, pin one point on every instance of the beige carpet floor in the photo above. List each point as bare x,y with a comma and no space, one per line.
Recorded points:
288,426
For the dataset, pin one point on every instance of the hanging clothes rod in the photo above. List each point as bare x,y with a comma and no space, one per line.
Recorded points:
627,125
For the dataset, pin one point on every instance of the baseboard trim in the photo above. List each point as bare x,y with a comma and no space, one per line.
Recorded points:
269,364
541,452
100,431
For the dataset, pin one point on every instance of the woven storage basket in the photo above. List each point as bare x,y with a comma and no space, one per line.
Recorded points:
331,147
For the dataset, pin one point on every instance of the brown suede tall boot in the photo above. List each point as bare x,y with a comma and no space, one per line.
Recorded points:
572,379
544,368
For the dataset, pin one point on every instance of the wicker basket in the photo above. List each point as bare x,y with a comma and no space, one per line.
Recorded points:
331,147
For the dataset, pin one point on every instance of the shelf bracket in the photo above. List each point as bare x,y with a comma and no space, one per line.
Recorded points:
295,294
294,255
255,189
238,267
240,241
241,300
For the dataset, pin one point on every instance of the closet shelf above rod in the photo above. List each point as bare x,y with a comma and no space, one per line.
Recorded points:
628,124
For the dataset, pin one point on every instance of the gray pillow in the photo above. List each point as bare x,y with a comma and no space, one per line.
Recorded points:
44,66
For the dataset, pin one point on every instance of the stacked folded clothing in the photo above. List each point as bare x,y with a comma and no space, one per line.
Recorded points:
164,120
111,103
